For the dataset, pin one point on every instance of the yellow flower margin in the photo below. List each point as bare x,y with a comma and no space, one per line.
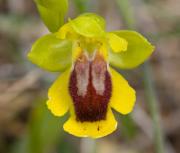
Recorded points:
123,96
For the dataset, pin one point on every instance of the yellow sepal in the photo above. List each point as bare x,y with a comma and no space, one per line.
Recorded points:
123,96
59,98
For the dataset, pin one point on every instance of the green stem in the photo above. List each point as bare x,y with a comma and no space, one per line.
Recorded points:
153,106
82,6
127,15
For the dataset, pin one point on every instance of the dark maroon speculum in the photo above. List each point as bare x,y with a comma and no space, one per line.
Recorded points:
90,87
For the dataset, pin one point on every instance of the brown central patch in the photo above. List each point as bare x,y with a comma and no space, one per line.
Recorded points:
90,87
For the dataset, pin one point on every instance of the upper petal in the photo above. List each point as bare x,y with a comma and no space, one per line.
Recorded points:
139,49
95,129
117,43
59,98
123,96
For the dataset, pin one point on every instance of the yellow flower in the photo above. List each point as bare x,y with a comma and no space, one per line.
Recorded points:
89,87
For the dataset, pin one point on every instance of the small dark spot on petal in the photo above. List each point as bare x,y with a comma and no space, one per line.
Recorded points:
98,128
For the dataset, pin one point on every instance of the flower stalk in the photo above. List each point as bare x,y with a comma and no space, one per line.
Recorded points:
153,107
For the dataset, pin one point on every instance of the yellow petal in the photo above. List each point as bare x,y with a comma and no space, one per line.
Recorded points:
95,129
59,98
117,43
123,96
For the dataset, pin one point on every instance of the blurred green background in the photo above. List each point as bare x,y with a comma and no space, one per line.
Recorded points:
26,125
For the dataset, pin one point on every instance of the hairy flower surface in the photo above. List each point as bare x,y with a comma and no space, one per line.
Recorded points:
88,86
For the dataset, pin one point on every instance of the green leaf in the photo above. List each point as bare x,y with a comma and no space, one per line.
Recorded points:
52,12
54,4
82,5
43,131
139,49
89,25
51,53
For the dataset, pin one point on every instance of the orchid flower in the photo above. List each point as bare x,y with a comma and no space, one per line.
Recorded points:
88,86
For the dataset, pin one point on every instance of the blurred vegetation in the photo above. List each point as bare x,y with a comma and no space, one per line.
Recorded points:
27,126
